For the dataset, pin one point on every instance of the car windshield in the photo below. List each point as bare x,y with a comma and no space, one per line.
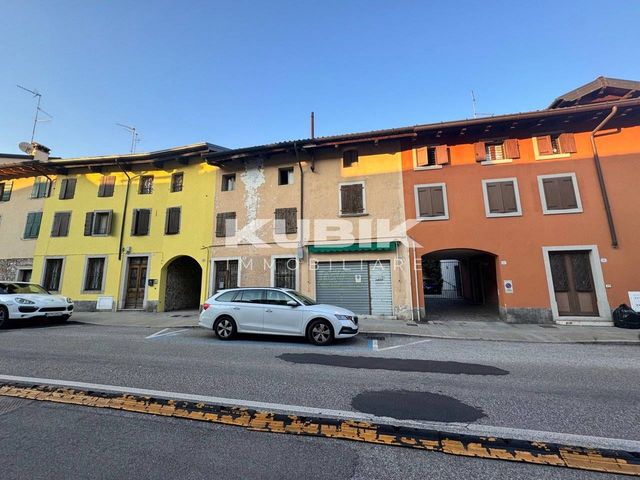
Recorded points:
301,298
17,288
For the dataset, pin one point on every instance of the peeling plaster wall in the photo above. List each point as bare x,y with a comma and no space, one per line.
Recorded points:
252,178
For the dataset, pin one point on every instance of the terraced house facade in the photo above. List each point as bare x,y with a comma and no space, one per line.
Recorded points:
529,217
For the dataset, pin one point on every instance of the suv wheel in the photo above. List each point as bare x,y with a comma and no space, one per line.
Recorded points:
320,332
225,328
4,316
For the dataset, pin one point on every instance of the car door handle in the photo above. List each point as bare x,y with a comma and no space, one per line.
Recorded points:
268,310
236,308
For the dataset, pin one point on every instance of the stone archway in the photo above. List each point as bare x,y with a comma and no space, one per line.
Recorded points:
183,284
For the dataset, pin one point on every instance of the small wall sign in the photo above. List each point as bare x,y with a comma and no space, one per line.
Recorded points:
508,286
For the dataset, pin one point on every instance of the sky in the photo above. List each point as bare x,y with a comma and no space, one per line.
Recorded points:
248,72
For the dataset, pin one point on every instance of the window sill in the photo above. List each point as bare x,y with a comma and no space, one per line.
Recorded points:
353,214
428,167
552,157
500,215
560,212
431,219
496,162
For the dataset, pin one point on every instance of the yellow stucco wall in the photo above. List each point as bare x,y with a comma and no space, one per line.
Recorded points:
196,202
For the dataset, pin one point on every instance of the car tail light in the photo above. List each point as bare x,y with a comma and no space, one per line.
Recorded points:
205,306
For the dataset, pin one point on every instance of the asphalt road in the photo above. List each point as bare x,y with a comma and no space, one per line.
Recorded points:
583,389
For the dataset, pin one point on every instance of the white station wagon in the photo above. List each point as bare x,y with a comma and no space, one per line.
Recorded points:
276,311
20,300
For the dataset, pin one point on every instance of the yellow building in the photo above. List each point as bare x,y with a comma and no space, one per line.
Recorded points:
129,231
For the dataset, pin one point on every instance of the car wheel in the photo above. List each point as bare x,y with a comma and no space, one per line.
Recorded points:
320,332
225,328
4,316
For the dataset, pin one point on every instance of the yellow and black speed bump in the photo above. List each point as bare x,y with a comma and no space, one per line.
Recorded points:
602,460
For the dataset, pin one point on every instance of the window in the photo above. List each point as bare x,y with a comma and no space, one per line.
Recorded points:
552,145
284,272
497,151
501,197
5,191
67,189
352,199
250,296
107,185
229,182
98,223
24,275
52,274
275,297
226,297
285,176
140,222
431,157
172,221
431,202
61,222
146,185
286,220
94,274
177,182
226,224
349,157
41,187
559,193
32,229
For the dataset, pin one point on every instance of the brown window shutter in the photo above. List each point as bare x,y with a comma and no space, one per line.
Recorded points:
55,229
352,201
280,221
508,194
144,220
494,197
134,221
552,193
442,155
101,187
422,159
567,193
567,143
511,149
109,222
480,151
425,205
346,199
63,189
88,224
292,220
544,145
220,225
172,221
437,200
65,219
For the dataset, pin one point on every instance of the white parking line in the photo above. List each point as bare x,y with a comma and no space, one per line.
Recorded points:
478,429
400,346
166,333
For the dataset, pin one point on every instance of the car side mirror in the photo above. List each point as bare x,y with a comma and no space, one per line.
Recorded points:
293,303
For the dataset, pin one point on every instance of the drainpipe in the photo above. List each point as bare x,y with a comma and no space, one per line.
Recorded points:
301,242
124,210
603,186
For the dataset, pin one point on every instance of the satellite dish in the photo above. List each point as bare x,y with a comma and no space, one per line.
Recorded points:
26,147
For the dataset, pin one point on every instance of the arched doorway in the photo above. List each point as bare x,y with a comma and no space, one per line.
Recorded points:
460,284
183,284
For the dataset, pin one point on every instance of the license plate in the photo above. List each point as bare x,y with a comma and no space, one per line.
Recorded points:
54,314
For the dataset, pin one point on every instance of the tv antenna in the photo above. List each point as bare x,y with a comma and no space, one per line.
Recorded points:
38,95
475,113
134,135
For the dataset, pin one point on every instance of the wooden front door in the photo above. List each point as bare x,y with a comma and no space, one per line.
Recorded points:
136,281
226,274
573,283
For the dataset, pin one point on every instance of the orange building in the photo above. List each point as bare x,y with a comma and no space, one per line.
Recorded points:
533,215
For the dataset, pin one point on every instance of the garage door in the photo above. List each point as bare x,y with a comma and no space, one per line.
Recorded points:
362,287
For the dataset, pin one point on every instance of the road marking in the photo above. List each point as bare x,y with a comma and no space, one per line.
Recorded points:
586,453
403,345
373,344
166,333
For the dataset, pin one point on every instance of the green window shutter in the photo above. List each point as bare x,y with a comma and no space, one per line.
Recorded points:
88,224
6,193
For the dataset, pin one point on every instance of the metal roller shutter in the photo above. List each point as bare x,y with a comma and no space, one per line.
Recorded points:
344,284
380,285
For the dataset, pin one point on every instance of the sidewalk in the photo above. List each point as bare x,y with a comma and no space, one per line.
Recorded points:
448,329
